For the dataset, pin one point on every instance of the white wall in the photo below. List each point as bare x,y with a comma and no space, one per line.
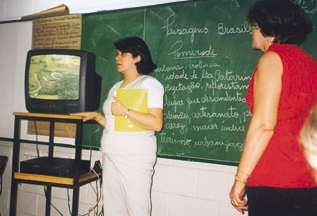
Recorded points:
14,9
180,188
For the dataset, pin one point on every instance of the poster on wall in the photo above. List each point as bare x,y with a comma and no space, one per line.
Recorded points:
60,32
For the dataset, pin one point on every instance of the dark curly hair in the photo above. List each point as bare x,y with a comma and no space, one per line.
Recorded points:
137,47
283,19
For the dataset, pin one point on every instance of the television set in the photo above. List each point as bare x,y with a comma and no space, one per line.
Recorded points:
61,81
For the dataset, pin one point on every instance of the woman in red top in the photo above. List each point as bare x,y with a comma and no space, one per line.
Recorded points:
273,171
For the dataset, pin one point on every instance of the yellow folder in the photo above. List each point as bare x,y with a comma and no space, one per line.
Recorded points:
135,99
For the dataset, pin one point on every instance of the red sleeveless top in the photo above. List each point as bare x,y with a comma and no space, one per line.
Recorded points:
283,163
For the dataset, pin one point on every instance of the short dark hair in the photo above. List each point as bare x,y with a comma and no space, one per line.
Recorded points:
137,47
283,19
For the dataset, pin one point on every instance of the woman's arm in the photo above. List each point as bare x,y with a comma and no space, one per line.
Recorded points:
153,120
98,117
267,90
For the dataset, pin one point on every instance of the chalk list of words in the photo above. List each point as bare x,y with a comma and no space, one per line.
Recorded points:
63,32
204,101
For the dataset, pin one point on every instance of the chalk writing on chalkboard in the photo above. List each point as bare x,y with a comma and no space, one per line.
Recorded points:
205,64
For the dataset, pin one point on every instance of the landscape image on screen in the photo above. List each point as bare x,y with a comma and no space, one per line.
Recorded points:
54,77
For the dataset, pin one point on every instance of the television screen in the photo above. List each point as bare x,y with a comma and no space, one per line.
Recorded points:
61,81
54,77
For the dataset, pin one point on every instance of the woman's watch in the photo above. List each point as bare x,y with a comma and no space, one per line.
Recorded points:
127,114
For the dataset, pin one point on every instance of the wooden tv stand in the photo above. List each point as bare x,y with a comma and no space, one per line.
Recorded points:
50,181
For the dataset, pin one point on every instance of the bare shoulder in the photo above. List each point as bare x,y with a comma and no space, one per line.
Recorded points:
269,58
270,63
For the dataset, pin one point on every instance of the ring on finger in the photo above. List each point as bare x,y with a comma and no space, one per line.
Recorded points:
233,202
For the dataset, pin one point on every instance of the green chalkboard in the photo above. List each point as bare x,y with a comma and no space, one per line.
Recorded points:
205,61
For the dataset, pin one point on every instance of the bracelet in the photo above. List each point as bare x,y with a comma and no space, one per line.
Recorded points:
127,114
99,119
237,178
239,170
